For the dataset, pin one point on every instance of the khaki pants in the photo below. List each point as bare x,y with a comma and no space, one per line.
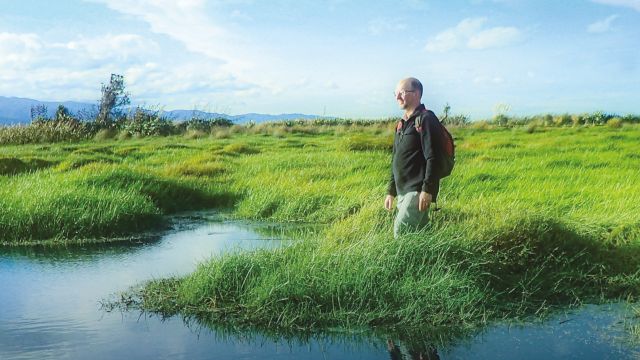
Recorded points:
409,218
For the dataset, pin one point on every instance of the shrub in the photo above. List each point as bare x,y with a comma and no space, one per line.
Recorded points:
124,135
204,125
500,119
561,120
305,129
614,123
43,130
629,118
531,127
236,129
195,134
279,133
577,119
480,125
456,120
367,143
105,134
597,118
240,148
220,133
147,123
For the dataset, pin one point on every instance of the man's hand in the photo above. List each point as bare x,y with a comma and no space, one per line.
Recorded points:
388,202
424,201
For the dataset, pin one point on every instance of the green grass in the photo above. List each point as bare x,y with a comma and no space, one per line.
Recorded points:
530,220
79,192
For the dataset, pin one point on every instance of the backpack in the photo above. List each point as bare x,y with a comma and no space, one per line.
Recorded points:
442,140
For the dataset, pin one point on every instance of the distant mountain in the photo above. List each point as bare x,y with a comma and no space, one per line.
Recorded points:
15,110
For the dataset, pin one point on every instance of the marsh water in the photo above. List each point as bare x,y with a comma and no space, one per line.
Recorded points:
50,308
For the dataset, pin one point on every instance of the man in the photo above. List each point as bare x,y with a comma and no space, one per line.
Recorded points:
413,178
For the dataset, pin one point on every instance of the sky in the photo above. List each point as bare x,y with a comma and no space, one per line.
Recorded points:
334,57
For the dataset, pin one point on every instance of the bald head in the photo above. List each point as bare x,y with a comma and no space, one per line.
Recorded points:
408,94
412,84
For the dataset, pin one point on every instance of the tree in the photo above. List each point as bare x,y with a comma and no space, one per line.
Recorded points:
113,98
445,113
62,113
38,112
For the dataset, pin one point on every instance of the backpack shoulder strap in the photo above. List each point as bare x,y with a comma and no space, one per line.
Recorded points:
419,123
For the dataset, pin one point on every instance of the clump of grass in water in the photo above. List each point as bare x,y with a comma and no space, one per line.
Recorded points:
292,287
57,208
96,201
632,326
437,277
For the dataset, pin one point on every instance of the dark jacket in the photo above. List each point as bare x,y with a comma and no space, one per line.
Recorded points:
413,166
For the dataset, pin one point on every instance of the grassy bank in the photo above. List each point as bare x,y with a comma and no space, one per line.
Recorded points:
530,219
95,190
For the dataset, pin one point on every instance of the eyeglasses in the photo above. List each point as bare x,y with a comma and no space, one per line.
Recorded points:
403,93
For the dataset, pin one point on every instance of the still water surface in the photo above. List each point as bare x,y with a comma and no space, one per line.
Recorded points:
50,309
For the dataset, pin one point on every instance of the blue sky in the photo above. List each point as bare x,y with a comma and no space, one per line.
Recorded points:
334,57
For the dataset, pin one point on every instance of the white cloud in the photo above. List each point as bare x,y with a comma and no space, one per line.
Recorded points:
18,50
634,4
453,37
191,77
469,26
73,69
120,46
23,50
12,41
380,25
443,42
186,22
494,37
470,33
602,26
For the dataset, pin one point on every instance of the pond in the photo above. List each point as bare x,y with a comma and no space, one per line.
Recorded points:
50,308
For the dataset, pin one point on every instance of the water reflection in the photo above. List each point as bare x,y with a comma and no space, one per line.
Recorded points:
50,309
427,353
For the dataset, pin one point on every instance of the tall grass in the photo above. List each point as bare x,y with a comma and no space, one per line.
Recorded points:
75,192
140,123
529,221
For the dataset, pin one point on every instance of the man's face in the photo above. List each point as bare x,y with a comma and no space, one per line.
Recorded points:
405,95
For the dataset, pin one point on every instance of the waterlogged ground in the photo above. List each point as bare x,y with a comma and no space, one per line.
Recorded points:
531,218
51,309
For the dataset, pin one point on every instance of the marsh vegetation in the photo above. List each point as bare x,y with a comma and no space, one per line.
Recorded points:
530,220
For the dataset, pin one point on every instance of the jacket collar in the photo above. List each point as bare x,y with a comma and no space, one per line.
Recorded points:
416,112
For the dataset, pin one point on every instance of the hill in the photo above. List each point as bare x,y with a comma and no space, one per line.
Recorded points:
14,110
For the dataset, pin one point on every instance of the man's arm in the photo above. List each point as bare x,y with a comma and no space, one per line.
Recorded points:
429,184
391,188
